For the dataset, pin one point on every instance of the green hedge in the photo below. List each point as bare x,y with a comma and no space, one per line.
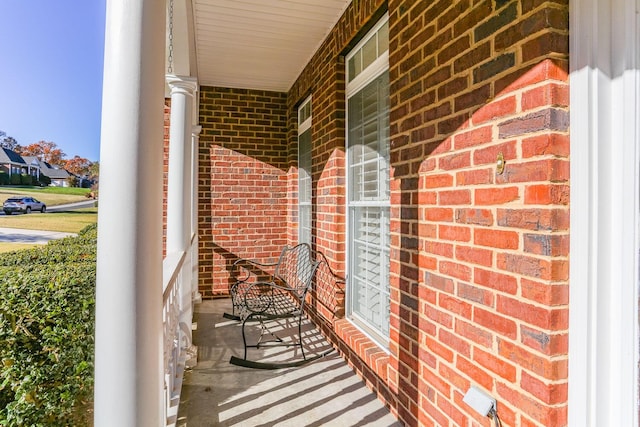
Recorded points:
45,180
4,178
47,316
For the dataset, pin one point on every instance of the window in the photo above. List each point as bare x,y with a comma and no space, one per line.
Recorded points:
304,172
368,195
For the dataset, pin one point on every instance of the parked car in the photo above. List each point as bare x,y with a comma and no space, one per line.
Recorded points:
23,204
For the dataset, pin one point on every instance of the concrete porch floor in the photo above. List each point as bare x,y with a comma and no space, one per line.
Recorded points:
325,392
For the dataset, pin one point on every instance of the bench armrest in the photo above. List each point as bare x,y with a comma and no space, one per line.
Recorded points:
246,266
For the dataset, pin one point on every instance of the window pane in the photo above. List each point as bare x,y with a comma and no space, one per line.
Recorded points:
304,167
369,52
304,187
304,233
304,112
383,38
355,65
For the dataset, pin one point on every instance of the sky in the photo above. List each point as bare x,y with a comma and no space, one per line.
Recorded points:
51,57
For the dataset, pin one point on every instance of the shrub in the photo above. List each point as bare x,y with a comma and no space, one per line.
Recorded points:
15,179
4,178
26,179
47,316
45,181
72,181
94,190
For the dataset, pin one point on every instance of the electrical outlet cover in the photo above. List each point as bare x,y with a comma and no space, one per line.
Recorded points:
480,401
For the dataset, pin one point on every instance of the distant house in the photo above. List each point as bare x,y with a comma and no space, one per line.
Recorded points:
84,181
33,166
59,177
11,162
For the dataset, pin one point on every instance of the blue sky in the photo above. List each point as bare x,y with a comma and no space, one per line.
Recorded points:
51,57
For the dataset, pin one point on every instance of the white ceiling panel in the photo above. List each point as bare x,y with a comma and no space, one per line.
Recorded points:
259,44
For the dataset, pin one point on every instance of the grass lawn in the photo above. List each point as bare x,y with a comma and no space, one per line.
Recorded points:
68,222
50,196
74,191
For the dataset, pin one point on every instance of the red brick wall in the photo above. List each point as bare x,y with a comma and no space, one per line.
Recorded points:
480,259
242,189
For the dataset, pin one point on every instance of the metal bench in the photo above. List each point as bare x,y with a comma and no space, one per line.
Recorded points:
258,296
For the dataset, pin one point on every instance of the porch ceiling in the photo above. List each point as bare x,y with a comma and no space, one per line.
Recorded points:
259,44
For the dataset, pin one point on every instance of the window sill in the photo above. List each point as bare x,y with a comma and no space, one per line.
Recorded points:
374,356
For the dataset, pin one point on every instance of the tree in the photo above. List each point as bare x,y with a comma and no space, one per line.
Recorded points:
94,171
94,175
8,142
72,181
46,151
78,166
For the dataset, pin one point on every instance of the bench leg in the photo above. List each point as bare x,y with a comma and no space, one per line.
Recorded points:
304,357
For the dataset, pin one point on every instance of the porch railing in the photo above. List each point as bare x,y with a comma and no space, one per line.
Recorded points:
180,291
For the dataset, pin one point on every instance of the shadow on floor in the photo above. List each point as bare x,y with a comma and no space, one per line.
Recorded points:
325,392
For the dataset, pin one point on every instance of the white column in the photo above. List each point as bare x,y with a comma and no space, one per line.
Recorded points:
195,138
179,198
128,353
195,143
179,179
604,264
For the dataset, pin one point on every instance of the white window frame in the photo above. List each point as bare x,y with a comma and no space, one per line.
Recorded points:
304,206
366,76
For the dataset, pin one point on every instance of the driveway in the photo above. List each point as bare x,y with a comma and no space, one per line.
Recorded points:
18,235
72,206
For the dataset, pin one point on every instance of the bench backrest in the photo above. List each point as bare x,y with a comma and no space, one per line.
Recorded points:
296,267
328,290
